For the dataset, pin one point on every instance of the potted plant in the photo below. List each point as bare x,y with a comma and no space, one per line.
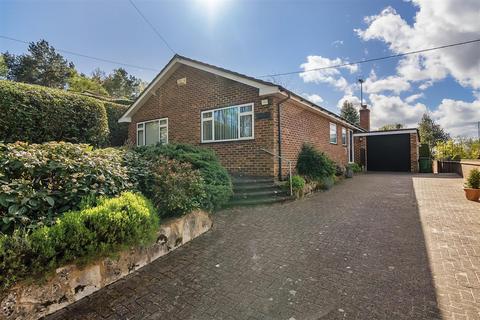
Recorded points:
472,187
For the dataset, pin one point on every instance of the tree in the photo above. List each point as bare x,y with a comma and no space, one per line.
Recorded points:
392,126
42,65
81,83
120,84
430,132
3,68
349,112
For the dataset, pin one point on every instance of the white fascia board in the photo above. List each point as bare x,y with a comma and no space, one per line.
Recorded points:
316,109
384,133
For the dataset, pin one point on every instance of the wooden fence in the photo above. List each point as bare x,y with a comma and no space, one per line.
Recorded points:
461,167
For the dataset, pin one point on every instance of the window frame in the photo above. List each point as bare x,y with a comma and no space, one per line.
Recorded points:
344,135
143,124
330,133
240,114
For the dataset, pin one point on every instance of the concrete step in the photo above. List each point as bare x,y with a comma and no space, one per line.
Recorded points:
260,193
258,201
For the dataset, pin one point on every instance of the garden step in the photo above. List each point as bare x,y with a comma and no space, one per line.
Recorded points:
258,201
249,180
254,187
260,193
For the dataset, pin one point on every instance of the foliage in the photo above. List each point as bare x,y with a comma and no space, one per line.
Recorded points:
424,151
298,183
458,149
127,220
122,85
392,126
37,114
3,68
355,167
81,83
43,65
118,131
314,164
349,113
473,180
217,181
327,183
38,182
176,188
430,132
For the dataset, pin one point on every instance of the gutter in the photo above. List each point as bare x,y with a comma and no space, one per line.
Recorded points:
279,127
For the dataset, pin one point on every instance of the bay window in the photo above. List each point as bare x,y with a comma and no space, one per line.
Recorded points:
230,123
152,132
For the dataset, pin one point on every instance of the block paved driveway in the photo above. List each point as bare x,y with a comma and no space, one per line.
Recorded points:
358,251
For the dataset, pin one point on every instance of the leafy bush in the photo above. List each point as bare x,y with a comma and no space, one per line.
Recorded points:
177,189
424,151
118,131
458,149
37,114
339,170
114,223
218,186
298,183
38,182
314,164
355,167
473,180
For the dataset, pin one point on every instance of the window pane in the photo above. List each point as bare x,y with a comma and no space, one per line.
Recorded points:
344,136
246,109
140,138
333,133
226,124
151,133
207,130
163,135
245,126
163,122
207,115
140,126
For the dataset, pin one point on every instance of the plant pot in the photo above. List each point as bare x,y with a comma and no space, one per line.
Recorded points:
349,172
472,194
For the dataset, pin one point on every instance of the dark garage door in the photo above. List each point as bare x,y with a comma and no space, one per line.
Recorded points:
388,152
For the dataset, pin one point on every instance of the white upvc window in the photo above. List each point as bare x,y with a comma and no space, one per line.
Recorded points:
152,132
228,124
344,136
333,133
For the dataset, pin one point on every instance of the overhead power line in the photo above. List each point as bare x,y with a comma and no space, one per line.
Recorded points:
86,56
152,26
373,59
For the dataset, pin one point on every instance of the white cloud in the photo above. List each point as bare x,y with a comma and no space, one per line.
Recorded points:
315,98
391,83
436,23
337,43
414,97
392,109
350,98
330,76
459,118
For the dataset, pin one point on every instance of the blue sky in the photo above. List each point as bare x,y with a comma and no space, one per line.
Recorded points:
265,37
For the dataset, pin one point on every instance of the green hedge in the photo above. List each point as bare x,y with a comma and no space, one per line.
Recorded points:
118,131
218,185
38,114
314,164
78,236
38,182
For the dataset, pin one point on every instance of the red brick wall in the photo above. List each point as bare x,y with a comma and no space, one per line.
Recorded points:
414,153
182,105
300,126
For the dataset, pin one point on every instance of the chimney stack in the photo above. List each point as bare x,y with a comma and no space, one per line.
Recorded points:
365,117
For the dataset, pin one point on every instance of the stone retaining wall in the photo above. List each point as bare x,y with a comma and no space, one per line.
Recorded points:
71,283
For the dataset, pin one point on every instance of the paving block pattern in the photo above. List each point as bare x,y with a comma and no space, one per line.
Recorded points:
357,251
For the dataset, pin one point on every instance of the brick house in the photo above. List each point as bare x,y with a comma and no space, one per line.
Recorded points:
248,122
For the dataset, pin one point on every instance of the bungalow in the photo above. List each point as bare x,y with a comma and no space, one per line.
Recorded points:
256,127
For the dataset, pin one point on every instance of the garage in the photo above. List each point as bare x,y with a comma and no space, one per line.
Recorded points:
389,150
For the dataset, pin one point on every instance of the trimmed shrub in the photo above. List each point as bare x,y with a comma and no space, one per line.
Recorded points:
355,167
177,189
339,170
38,182
127,220
473,180
218,186
314,164
118,131
38,114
